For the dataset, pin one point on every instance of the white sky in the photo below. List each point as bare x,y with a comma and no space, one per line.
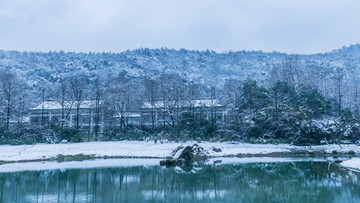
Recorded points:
293,26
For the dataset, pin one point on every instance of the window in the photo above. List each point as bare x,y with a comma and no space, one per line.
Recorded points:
34,120
133,121
146,119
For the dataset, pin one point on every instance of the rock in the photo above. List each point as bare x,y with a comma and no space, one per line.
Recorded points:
182,155
216,149
170,162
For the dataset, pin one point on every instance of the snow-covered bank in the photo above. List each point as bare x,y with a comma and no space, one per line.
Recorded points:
109,163
353,163
149,149
97,163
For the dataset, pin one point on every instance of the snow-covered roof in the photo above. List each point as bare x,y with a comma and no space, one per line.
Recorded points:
55,105
184,103
129,115
25,119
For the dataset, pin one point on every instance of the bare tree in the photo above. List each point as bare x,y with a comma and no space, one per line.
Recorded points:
61,94
355,94
10,94
99,100
338,79
173,90
151,94
193,95
64,102
78,94
123,96
291,71
230,95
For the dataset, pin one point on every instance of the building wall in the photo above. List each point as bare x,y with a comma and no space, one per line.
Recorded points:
161,118
87,118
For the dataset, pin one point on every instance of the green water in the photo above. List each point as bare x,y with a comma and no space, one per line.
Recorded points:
255,182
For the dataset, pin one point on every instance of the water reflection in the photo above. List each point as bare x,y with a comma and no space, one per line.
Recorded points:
255,182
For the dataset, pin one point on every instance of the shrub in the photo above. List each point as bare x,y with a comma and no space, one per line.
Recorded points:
71,135
76,138
105,138
29,140
17,141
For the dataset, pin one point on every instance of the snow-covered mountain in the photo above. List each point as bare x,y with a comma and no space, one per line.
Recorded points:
204,67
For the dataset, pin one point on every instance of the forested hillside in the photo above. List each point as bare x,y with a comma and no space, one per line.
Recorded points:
267,95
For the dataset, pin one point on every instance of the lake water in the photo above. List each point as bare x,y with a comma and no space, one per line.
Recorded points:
308,181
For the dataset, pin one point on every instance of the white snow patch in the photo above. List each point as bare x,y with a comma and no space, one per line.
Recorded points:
352,163
98,163
109,163
149,149
247,160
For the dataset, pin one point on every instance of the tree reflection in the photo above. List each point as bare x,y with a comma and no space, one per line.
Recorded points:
259,182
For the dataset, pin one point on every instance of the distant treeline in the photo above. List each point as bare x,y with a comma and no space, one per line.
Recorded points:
269,97
283,112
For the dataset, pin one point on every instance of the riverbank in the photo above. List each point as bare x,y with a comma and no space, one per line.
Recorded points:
136,162
142,149
353,164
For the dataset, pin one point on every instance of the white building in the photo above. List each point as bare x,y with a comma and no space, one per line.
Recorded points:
53,112
164,112
159,113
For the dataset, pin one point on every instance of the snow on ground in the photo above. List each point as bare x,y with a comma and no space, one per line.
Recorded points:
147,149
97,163
353,163
107,163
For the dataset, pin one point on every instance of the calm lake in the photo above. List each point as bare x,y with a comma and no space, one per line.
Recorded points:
304,181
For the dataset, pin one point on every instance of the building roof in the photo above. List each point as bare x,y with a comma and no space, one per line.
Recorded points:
129,115
25,119
184,103
55,105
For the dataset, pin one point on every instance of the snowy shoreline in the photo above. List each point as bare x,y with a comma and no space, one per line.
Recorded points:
39,156
353,164
136,162
142,149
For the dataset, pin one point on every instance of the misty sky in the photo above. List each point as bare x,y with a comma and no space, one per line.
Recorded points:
293,26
